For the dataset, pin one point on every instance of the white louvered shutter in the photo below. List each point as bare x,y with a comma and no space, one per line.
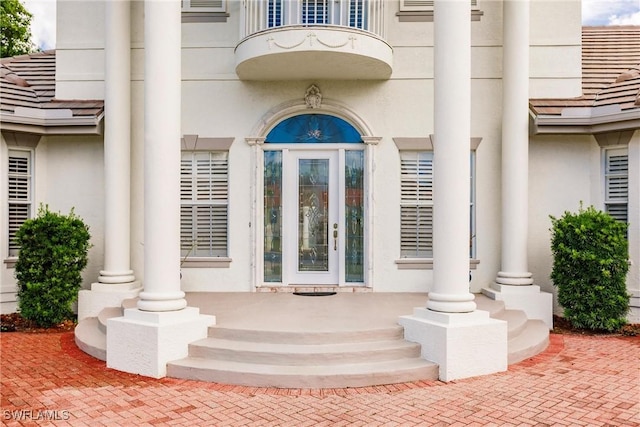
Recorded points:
19,195
616,182
204,200
204,5
416,205
424,5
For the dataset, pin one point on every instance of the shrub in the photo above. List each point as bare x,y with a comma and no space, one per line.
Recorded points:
590,265
53,253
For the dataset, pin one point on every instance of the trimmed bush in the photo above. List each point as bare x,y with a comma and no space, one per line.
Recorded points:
590,264
53,253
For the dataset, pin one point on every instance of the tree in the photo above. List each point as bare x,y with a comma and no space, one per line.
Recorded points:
15,29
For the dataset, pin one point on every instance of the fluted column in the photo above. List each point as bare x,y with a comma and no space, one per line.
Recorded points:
117,141
162,157
515,144
452,129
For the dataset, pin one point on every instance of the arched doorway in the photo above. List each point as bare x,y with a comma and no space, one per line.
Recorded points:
313,194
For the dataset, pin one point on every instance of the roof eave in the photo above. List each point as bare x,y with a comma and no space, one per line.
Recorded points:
79,125
585,125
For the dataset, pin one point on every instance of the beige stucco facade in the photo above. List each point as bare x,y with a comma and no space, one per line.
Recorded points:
216,104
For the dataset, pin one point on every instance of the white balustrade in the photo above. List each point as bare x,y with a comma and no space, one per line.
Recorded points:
260,15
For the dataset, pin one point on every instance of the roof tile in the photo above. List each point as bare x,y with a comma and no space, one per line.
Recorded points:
610,71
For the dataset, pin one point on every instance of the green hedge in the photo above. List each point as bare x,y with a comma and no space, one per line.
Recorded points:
53,253
590,265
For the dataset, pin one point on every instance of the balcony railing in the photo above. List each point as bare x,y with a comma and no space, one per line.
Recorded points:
259,15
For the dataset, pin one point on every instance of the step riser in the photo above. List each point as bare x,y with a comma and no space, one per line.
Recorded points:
305,338
302,381
306,359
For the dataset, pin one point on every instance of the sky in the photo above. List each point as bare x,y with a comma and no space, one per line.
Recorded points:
594,12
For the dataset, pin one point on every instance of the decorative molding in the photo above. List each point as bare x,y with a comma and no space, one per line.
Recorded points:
427,16
195,17
255,140
195,143
425,263
294,107
427,143
371,140
609,139
220,262
21,139
311,36
313,97
413,144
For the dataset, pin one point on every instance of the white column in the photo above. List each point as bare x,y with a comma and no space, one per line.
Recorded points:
162,157
452,129
514,283
515,144
463,341
160,329
117,137
116,281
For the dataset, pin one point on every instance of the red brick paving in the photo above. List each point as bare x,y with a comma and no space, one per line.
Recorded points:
577,381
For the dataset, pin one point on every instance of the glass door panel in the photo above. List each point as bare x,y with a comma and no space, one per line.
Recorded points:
310,225
273,216
354,216
313,218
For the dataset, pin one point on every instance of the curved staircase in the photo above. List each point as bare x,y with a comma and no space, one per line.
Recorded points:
325,344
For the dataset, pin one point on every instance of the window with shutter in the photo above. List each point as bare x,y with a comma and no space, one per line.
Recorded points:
422,10
20,193
616,182
416,204
204,6
204,202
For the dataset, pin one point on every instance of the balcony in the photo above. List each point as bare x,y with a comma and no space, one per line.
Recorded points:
313,39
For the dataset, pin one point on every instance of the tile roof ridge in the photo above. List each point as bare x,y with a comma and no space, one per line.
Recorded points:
27,56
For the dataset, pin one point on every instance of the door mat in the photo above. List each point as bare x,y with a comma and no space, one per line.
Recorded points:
314,294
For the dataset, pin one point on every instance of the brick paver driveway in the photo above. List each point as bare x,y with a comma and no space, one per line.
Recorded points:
577,381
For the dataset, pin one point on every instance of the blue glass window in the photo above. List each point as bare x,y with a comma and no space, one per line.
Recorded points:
313,128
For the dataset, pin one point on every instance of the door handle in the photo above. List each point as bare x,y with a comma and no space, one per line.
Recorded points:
335,237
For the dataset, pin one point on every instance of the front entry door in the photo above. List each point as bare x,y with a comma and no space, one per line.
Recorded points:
311,221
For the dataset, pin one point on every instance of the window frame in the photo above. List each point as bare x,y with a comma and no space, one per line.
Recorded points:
29,154
608,201
420,144
195,144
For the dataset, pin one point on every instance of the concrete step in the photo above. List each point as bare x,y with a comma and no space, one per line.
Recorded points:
303,354
304,337
318,376
533,339
106,314
91,339
516,321
493,306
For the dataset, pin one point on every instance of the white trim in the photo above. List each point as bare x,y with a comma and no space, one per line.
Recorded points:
293,108
588,121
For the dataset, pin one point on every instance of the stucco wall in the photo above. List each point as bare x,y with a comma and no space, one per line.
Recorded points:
217,104
67,174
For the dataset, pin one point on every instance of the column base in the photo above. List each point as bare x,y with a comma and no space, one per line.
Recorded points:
528,298
462,344
144,342
91,302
